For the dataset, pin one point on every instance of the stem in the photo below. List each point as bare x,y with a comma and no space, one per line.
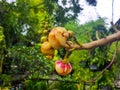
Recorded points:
114,27
88,35
77,42
110,64
97,36
108,39
65,60
66,54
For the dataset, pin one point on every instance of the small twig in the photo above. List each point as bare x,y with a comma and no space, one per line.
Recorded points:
77,42
95,78
97,36
66,54
103,34
88,35
112,61
114,27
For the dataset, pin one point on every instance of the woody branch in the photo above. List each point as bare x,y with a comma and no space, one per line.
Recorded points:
108,39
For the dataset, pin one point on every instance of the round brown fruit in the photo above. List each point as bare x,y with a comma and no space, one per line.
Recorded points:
53,41
58,37
47,49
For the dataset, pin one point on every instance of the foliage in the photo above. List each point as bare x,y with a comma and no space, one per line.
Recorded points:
66,10
39,85
23,23
2,48
85,61
65,86
92,2
82,32
26,59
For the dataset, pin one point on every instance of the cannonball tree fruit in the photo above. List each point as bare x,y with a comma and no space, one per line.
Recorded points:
53,41
47,49
61,35
58,37
63,68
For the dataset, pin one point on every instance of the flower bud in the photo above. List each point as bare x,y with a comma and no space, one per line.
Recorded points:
63,68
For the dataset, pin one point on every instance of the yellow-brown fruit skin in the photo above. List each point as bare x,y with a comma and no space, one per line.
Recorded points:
53,41
47,49
58,37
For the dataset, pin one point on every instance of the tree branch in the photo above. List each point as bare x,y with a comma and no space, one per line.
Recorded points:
99,74
110,64
108,39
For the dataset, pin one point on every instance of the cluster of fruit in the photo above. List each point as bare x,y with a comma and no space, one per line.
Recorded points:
58,38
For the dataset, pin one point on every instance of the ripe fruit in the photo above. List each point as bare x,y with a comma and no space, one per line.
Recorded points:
61,35
47,49
63,68
58,37
53,41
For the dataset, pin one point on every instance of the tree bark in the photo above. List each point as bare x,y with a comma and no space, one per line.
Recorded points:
109,39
